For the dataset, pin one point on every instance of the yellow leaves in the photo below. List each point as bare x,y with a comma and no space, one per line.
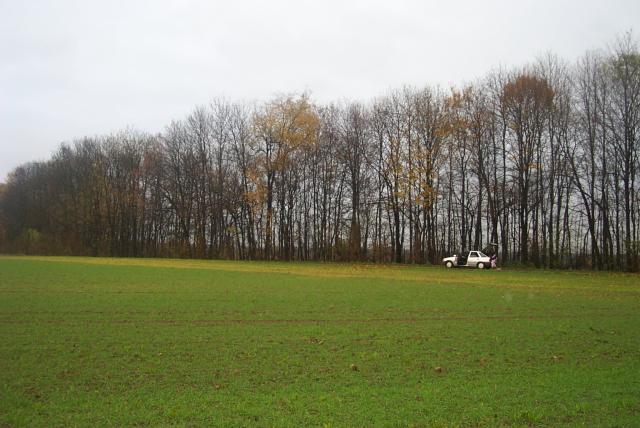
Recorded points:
528,91
453,101
289,122
427,194
456,119
286,125
256,198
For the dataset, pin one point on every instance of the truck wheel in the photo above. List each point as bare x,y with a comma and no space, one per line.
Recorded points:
480,265
449,264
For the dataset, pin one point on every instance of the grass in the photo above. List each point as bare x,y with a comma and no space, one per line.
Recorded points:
121,342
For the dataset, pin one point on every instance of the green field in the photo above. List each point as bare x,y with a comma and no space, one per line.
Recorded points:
121,342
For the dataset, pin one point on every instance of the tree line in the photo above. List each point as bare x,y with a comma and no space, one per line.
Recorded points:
541,160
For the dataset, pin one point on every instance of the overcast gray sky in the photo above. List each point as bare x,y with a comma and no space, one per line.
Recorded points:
75,68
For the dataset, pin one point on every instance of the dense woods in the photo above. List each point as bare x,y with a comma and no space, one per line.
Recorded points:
542,160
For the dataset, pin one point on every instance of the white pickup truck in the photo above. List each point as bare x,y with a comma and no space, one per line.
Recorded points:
475,259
